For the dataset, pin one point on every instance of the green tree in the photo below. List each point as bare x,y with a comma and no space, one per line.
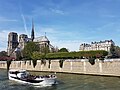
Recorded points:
76,55
29,48
3,53
18,55
37,56
63,50
117,51
112,49
114,52
44,49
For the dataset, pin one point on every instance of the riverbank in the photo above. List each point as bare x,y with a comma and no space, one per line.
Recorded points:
110,67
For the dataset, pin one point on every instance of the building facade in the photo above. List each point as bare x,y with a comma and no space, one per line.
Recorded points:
15,46
12,43
44,43
102,45
23,39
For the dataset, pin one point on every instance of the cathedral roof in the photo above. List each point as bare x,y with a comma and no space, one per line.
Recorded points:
41,39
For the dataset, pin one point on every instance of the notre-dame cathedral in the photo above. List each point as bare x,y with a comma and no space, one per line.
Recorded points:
17,45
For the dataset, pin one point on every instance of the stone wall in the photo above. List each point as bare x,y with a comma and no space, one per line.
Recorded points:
80,66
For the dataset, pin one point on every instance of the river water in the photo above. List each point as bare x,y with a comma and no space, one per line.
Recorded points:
65,82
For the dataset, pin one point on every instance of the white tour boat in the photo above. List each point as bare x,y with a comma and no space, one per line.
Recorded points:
23,76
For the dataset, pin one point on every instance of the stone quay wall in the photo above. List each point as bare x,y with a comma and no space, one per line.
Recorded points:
109,67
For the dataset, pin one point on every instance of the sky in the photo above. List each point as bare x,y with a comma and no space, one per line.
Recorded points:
67,23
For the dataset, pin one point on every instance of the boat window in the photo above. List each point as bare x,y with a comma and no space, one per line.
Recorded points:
16,72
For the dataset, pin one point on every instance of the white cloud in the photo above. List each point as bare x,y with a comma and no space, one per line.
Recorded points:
70,45
3,48
3,35
3,40
57,11
4,19
109,26
46,11
60,38
48,30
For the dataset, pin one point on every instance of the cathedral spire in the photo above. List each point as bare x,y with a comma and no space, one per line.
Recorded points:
32,33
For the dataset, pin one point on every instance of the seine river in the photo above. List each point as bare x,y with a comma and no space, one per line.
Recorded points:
66,82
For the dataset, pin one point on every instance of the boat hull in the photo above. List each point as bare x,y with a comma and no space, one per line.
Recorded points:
42,82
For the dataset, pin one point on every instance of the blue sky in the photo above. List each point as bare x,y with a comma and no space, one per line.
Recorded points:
67,23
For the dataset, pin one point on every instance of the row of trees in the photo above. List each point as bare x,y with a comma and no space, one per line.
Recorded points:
77,55
3,53
31,51
114,52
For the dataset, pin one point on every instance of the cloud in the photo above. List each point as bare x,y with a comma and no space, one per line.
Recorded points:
36,11
3,35
105,26
3,40
24,22
112,26
46,11
60,38
57,11
72,45
4,19
3,48
48,30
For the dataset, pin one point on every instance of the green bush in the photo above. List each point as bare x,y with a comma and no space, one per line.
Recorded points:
69,55
76,55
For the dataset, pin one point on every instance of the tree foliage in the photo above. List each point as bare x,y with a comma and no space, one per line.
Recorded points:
29,48
77,55
70,55
35,55
18,55
3,53
63,50
117,51
114,52
44,49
